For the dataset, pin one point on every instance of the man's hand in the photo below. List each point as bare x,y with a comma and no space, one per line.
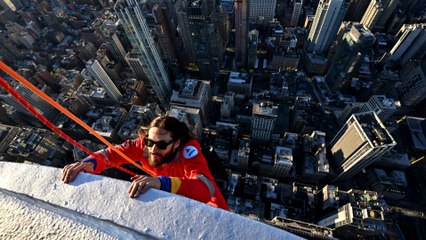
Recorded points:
71,170
141,184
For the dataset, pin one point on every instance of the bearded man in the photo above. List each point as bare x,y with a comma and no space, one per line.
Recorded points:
170,153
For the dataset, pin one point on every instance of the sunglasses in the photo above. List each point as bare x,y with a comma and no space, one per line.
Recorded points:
162,145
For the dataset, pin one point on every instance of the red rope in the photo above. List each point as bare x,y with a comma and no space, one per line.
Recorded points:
49,124
41,94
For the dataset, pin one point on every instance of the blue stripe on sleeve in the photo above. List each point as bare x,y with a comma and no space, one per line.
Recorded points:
165,183
91,160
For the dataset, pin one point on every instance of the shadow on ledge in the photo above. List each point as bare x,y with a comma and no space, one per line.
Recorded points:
36,204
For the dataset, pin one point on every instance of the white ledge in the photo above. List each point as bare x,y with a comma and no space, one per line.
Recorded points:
39,205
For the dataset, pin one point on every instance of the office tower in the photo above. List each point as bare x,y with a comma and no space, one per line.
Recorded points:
357,219
276,162
354,46
107,26
11,4
328,17
226,139
241,32
7,15
252,59
384,107
98,72
297,11
19,35
228,6
356,10
411,44
264,116
139,116
240,83
283,160
42,106
378,13
194,94
413,87
135,62
190,116
222,22
203,44
227,106
8,50
130,13
262,12
165,30
359,143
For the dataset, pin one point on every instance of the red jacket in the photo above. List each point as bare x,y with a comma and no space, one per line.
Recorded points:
186,174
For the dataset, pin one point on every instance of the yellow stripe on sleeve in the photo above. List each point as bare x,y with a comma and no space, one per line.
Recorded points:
175,182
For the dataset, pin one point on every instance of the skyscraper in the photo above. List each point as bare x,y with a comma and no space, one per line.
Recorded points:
378,13
297,10
41,105
355,44
131,15
264,116
241,32
203,44
97,71
262,12
328,17
413,87
411,44
356,10
384,107
359,143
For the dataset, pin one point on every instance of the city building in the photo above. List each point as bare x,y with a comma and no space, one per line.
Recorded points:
353,220
297,11
315,167
241,32
262,12
413,87
227,107
130,13
378,13
226,139
384,107
138,116
345,64
108,25
410,45
107,121
40,104
361,141
202,41
264,116
356,10
315,64
98,72
194,94
190,116
32,145
240,83
328,17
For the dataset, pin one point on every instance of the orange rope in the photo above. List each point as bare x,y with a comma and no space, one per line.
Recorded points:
50,125
41,94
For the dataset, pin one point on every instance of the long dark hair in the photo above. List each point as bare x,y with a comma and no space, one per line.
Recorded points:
178,129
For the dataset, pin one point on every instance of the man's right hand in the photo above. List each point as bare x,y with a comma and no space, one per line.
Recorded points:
71,170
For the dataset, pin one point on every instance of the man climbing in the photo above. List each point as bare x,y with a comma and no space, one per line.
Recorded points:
170,153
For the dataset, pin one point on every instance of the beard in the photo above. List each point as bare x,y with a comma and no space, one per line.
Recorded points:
156,159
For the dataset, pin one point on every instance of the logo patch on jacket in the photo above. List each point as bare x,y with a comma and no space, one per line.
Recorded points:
190,152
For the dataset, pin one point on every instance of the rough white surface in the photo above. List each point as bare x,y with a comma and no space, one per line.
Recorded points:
100,208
